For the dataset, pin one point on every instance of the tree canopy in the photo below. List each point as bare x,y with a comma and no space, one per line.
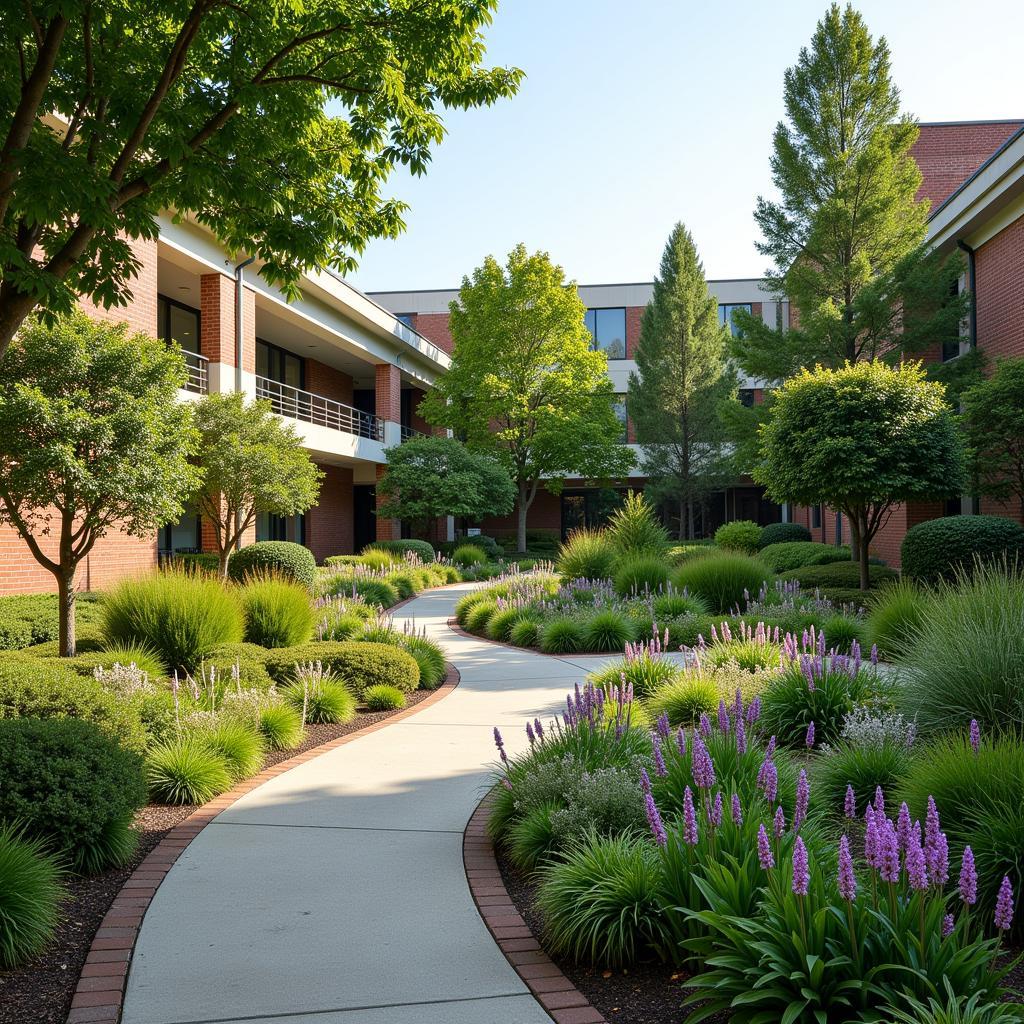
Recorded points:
681,381
273,123
862,439
252,462
92,439
430,477
525,385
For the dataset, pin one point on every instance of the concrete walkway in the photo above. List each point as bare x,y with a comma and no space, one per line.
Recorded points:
335,893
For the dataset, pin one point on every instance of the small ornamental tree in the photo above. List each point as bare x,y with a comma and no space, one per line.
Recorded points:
428,477
253,462
93,438
862,439
992,415
525,385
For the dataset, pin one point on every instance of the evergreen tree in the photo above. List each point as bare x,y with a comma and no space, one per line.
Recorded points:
682,380
847,234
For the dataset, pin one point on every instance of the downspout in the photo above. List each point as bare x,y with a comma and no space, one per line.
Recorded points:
963,246
239,305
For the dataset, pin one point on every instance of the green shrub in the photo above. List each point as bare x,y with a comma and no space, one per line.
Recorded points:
724,580
953,1008
500,624
238,746
633,528
586,554
406,583
30,897
895,618
326,700
640,574
383,698
117,654
468,555
71,785
608,630
429,657
674,604
479,616
422,549
841,631
465,604
183,618
251,662
838,575
29,619
783,533
525,633
862,766
786,557
532,836
645,673
686,630
356,663
280,557
680,553
684,700
376,592
340,626
278,612
37,688
942,548
281,726
185,770
750,654
562,636
742,535
967,660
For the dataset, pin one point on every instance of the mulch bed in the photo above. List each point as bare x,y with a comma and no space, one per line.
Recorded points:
40,991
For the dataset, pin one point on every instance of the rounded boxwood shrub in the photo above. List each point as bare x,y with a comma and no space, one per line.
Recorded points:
562,636
468,555
940,548
278,612
422,549
383,698
586,554
838,576
783,533
739,535
640,574
30,896
183,618
357,663
796,554
724,579
282,557
42,688
71,785
185,770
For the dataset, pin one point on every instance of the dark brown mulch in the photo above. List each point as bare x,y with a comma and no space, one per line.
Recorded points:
40,991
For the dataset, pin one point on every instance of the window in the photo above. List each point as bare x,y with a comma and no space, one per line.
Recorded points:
406,318
746,397
816,517
608,329
184,536
725,313
291,528
277,364
178,323
620,415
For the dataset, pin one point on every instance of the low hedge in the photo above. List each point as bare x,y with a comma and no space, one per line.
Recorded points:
838,575
783,533
941,548
251,661
788,555
356,662
277,556
27,619
422,549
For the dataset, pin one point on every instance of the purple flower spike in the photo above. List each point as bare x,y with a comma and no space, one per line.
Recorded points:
764,849
664,729
737,811
645,780
714,811
723,717
741,735
702,766
937,857
801,870
538,728
947,926
975,736
681,740
871,838
803,796
809,739
779,822
704,725
903,826
689,818
529,734
932,828
654,820
1004,905
771,781
879,802
850,803
754,710
498,741
888,853
968,878
846,879
659,761
917,871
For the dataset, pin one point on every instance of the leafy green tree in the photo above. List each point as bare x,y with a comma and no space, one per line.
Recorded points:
273,123
992,414
428,477
252,462
681,381
862,439
846,235
92,439
525,386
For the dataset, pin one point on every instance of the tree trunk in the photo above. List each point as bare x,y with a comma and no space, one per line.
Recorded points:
66,611
690,530
521,524
224,556
865,578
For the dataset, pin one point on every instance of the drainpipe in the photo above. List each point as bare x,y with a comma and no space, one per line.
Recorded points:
239,281
963,246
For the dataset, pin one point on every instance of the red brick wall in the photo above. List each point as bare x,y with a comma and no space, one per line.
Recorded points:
387,529
545,514
634,316
217,324
329,527
418,422
388,392
140,313
999,284
328,382
949,153
434,327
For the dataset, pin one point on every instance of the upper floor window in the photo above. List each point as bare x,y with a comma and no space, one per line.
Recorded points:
746,397
279,365
406,318
178,323
620,414
725,316
608,329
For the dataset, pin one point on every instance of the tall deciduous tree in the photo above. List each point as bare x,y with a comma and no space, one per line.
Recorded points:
846,234
862,439
992,414
274,123
681,381
252,462
92,439
525,384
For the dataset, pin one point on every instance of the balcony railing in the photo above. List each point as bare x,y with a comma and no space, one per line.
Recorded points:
198,373
410,432
324,412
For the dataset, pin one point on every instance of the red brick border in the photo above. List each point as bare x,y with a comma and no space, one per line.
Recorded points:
552,989
99,995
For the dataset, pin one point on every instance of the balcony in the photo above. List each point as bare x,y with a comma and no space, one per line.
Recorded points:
408,433
197,366
302,405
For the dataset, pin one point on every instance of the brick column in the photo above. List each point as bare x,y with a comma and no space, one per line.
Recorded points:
388,387
387,529
217,331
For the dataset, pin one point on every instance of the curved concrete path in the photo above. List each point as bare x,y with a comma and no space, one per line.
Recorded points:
335,893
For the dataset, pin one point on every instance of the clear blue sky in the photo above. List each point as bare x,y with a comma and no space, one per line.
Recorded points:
636,115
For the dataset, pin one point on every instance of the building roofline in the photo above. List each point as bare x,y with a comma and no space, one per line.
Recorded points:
957,124
604,284
977,171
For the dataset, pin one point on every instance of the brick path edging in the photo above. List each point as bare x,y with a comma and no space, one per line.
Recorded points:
564,1003
99,995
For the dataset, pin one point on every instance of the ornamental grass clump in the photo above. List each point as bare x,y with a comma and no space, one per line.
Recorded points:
322,698
383,698
281,726
633,529
725,580
754,649
640,575
586,554
239,747
185,770
30,896
427,654
895,618
671,604
608,630
278,612
684,700
643,668
562,636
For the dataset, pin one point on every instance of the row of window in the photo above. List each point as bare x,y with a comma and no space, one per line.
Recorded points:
608,327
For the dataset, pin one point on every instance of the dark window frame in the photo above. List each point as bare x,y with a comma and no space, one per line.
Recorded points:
285,352
817,517
593,334
726,320
163,320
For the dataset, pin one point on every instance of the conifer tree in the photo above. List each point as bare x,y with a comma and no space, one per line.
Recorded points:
681,381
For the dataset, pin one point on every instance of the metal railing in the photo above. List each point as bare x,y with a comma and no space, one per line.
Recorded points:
198,372
297,404
410,432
